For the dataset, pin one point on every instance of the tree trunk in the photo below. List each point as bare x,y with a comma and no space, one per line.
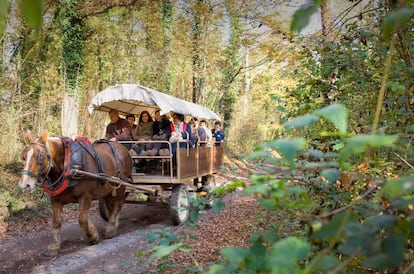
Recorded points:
246,83
167,19
69,116
326,21
12,38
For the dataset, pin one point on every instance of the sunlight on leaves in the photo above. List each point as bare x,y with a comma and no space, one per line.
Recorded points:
337,114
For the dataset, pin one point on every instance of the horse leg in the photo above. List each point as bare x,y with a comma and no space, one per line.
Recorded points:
114,205
92,234
57,209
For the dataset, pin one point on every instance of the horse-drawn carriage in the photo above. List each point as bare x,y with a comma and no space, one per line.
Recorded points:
73,171
171,179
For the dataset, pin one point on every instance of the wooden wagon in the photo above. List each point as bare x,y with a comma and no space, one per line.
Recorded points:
172,180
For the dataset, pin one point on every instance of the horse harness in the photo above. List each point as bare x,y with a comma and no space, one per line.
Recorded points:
74,159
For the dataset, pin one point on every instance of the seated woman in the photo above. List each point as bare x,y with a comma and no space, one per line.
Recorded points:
194,136
144,132
161,131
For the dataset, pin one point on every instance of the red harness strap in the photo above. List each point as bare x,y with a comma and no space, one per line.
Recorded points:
66,171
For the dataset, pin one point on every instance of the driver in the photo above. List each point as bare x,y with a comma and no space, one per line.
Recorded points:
118,129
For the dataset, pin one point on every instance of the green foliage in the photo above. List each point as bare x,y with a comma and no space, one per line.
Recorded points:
336,231
4,6
73,40
32,11
288,148
302,16
403,186
360,143
395,20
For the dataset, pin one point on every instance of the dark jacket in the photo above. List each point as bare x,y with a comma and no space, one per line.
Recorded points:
121,130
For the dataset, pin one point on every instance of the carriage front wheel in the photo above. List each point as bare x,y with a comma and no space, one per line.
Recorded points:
179,204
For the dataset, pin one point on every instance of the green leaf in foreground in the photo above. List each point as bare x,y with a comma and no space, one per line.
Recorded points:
360,143
331,174
301,121
301,16
288,148
395,20
287,253
162,251
32,10
337,114
324,262
235,254
398,187
4,6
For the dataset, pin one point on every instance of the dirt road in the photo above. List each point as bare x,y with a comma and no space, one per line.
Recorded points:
26,253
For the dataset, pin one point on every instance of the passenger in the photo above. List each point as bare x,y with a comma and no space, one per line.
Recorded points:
218,133
118,129
131,120
205,134
144,132
179,131
194,138
161,131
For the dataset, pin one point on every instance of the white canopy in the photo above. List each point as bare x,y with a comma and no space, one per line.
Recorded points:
133,99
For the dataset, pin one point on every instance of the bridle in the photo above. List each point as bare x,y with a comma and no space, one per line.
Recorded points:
44,170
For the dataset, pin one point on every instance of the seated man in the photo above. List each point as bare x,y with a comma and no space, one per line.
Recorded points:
118,129
218,133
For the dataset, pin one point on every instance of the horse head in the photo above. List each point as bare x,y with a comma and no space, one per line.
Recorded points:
37,162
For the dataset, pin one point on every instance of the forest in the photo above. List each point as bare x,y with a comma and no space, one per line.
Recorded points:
316,96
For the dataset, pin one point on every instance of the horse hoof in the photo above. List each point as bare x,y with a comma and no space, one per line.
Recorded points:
110,234
52,251
94,240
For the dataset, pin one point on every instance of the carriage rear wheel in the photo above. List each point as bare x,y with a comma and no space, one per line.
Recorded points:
180,204
103,210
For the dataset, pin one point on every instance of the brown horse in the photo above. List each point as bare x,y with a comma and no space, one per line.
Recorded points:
45,162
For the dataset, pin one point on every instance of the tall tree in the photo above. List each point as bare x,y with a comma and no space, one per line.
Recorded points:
167,26
11,42
73,40
232,62
196,43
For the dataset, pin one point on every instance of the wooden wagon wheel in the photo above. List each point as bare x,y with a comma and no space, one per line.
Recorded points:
179,204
